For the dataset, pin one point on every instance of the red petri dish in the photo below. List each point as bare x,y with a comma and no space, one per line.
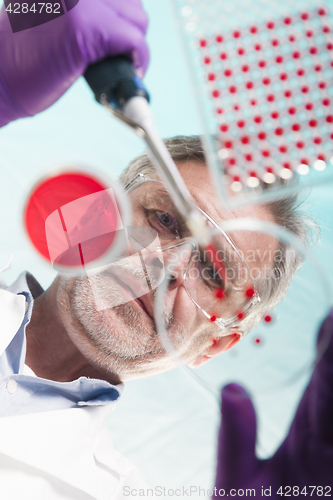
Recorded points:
72,219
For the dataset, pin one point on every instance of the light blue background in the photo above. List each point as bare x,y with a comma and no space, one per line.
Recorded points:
165,424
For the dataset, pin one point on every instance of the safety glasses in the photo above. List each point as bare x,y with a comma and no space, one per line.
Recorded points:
216,278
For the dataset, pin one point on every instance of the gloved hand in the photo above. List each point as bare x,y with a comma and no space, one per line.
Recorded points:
39,64
305,458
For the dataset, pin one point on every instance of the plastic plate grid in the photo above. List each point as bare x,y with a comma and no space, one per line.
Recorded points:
267,91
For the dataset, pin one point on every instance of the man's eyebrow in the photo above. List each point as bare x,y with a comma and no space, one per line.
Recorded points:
199,203
151,195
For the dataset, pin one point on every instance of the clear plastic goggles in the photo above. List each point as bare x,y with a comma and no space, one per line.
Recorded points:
216,278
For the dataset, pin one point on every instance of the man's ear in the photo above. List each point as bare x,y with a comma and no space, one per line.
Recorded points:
217,347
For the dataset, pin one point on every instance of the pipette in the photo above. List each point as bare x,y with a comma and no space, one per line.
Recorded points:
117,87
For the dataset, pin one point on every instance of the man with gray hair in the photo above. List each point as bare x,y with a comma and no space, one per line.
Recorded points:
117,341
283,211
65,352
78,352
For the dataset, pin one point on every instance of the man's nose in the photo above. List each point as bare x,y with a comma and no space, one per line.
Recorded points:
168,265
176,264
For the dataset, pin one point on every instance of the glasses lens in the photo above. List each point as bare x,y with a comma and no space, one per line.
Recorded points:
216,278
136,273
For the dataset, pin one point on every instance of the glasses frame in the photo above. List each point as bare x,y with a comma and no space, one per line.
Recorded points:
253,302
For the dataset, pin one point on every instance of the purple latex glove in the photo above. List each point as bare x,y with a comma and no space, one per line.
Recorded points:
38,65
305,458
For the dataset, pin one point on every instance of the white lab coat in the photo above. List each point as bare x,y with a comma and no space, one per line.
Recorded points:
58,455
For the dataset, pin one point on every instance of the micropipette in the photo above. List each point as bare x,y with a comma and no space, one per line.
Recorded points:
117,87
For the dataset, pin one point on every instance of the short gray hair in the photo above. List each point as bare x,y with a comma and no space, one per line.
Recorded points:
285,212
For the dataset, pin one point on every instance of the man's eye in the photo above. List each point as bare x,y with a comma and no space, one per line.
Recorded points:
165,219
168,221
164,223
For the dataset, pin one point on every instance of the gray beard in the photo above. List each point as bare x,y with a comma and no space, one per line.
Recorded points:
121,332
92,300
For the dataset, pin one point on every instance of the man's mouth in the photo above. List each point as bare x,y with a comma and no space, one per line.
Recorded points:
143,302
143,307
